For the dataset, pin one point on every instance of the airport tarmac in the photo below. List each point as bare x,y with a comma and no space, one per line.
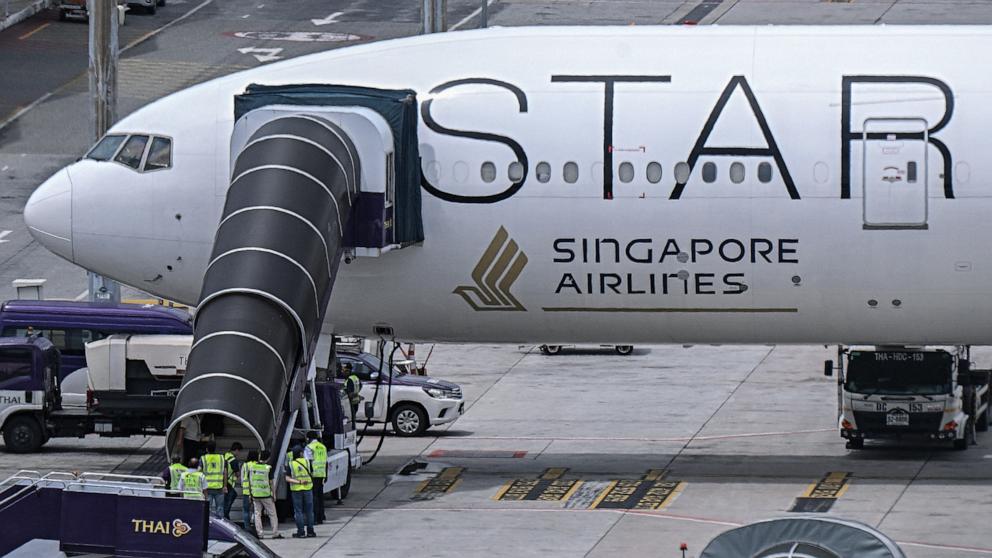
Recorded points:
595,454
703,438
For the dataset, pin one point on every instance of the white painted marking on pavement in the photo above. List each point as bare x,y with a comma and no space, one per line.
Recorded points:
246,16
262,54
147,36
469,17
3,236
333,18
5,167
298,36
85,293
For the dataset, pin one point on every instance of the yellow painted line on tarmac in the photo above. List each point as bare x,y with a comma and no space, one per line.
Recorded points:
602,495
33,31
553,473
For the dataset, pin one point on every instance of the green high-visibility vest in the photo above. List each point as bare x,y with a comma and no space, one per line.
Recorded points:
245,474
319,459
176,471
353,387
192,479
232,478
260,487
213,469
300,470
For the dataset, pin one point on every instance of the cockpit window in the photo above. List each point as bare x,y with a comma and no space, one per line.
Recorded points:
159,154
106,148
132,151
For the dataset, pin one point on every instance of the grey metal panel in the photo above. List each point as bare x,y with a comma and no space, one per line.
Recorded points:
266,288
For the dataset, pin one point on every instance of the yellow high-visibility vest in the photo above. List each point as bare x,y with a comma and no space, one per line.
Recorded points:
232,477
176,471
192,481
260,487
245,476
300,470
213,469
319,459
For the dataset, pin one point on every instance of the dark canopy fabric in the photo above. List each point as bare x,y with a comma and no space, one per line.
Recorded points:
398,107
839,537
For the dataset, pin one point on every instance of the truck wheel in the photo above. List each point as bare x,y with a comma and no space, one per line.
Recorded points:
551,349
22,435
856,443
409,420
624,349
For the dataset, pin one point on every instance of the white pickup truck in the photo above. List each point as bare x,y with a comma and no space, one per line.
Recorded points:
416,403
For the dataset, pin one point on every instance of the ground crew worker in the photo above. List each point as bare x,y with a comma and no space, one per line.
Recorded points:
193,483
352,388
215,469
300,480
245,474
260,486
318,465
173,474
233,467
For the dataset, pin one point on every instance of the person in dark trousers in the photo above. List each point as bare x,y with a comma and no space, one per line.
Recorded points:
233,468
318,468
300,481
246,495
214,467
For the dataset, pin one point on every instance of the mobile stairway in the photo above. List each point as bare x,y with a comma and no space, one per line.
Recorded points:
109,515
318,172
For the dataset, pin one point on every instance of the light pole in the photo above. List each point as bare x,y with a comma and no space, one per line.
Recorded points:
103,52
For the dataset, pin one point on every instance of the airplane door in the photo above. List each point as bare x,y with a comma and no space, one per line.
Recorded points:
894,173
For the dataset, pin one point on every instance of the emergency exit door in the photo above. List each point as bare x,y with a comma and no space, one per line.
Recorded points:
895,173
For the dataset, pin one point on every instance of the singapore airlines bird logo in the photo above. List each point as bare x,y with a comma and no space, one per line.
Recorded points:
493,276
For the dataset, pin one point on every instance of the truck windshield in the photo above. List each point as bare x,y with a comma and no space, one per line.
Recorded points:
899,373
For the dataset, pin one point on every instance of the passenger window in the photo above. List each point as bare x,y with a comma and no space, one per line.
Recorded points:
654,172
737,173
160,155
132,151
515,171
488,172
543,172
709,173
765,172
682,172
626,172
106,148
570,172
15,369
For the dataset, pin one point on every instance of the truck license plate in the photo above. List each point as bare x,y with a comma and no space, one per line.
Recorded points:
897,419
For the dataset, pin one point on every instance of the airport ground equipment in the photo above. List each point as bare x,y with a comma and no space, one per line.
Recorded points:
318,174
803,536
132,385
899,392
107,514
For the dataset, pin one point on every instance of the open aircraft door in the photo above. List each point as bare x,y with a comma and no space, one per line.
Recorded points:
894,173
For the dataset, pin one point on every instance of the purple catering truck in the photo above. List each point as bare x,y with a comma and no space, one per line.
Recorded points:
70,325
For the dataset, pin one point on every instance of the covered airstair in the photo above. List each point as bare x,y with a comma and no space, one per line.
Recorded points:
317,172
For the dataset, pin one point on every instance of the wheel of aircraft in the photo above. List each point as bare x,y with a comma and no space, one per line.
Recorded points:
551,349
624,349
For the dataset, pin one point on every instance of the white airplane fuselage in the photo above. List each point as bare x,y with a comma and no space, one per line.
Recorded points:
838,187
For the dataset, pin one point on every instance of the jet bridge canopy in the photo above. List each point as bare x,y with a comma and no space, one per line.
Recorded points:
397,107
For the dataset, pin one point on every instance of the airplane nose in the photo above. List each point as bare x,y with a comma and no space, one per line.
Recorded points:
48,214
